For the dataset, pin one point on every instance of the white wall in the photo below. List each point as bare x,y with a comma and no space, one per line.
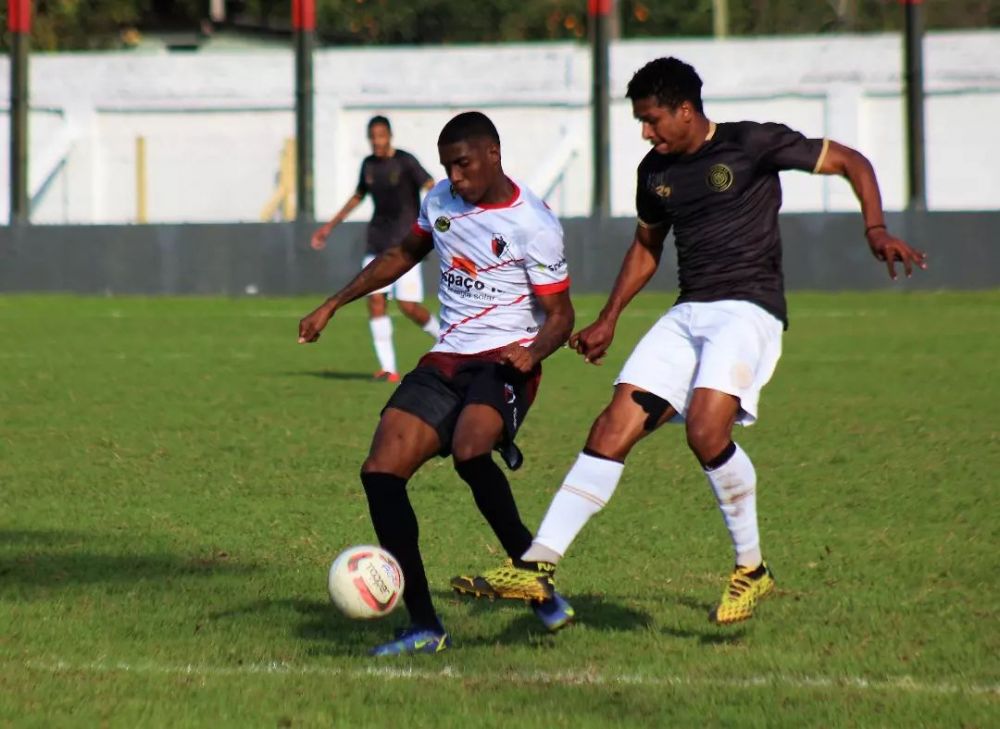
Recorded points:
215,123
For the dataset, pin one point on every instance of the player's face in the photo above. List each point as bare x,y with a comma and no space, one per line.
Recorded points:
472,167
668,130
381,140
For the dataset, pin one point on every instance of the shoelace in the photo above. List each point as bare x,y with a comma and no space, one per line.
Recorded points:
738,585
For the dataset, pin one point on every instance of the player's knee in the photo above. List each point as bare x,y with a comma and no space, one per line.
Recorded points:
463,452
610,437
378,463
410,309
470,465
372,464
706,439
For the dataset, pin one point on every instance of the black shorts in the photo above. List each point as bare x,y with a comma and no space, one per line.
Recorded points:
442,384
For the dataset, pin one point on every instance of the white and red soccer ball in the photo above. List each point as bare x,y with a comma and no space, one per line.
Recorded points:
365,582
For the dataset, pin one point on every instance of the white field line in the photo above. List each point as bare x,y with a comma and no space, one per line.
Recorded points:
899,684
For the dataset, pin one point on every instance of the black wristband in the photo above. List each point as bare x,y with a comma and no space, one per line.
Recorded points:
870,228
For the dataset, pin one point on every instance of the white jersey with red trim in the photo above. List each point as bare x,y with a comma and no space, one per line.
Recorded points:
495,259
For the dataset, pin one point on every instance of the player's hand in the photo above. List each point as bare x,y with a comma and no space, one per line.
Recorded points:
890,250
518,357
313,323
318,240
593,341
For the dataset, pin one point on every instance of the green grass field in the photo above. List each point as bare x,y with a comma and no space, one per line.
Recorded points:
177,474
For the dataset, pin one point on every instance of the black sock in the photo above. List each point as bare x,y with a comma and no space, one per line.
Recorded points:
493,496
721,458
396,528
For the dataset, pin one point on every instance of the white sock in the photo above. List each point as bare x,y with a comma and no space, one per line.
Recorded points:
381,327
586,489
735,487
432,327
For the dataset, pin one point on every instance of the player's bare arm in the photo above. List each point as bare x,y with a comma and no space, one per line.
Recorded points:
318,241
641,262
855,167
559,318
382,271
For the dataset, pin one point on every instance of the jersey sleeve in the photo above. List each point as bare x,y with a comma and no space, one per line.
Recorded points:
545,262
648,206
362,189
420,176
776,147
422,225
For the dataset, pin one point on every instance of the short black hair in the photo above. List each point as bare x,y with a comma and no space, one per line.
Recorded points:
379,119
468,125
670,80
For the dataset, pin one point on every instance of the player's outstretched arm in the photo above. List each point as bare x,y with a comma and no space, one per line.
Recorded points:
559,318
382,271
855,167
318,240
640,264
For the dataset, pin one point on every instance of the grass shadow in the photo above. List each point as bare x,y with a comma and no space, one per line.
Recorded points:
39,537
334,375
596,612
712,634
320,623
30,560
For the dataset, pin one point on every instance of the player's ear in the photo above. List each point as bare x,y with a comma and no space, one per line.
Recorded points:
493,152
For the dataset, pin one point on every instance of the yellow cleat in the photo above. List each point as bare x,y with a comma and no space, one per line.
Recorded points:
522,581
746,586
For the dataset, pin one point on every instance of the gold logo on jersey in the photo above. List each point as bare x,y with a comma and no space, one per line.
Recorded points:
663,190
442,224
720,177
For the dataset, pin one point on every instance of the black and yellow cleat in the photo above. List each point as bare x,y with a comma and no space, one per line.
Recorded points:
512,581
746,587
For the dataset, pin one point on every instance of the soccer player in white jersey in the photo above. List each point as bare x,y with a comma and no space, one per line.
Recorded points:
505,306
706,360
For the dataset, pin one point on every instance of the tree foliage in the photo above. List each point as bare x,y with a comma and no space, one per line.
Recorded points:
88,24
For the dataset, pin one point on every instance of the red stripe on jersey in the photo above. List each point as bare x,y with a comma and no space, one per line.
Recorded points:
552,288
506,203
486,210
500,265
482,313
418,231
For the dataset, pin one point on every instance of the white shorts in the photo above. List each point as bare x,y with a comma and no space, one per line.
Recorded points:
408,287
730,346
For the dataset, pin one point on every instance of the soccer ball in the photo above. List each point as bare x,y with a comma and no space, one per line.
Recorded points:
365,582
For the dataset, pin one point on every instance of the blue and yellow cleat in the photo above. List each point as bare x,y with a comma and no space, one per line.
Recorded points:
556,613
414,639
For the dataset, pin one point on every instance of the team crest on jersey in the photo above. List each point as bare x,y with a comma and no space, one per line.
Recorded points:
394,177
663,190
720,177
442,224
499,245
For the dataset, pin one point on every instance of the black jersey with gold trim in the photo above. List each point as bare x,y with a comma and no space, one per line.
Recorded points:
394,184
722,202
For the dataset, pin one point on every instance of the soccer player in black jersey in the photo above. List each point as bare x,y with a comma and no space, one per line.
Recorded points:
394,179
705,361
